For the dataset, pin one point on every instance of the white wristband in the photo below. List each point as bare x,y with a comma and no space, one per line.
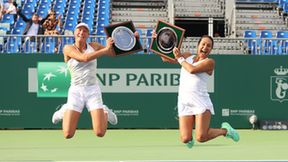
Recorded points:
181,60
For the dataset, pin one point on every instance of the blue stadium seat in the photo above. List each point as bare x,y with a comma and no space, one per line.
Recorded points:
90,2
149,40
270,1
267,44
61,1
285,9
31,2
266,34
12,45
89,9
64,41
103,15
103,12
100,31
46,1
252,42
282,42
70,23
249,34
28,10
140,39
280,4
74,5
49,44
74,2
59,7
101,23
17,31
20,22
2,44
8,18
29,47
43,10
73,13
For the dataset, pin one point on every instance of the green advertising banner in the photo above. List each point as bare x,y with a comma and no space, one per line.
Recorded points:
142,90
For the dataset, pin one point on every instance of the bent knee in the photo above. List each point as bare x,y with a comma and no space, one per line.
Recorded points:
99,133
201,138
68,135
186,139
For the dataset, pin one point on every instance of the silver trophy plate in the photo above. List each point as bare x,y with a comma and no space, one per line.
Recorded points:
124,38
166,40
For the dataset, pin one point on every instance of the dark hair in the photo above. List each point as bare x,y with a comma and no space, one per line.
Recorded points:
206,36
15,4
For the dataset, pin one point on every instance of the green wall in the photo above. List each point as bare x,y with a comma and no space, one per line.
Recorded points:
243,85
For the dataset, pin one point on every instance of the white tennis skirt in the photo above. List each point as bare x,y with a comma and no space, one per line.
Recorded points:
194,103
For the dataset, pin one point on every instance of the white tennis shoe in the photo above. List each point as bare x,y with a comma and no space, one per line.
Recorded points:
58,114
112,117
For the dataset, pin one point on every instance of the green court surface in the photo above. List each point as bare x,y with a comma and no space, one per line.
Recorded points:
138,145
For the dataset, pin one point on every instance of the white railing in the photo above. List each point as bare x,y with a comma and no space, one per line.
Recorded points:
19,44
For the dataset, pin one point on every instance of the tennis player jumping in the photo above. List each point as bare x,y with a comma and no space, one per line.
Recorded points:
194,105
81,59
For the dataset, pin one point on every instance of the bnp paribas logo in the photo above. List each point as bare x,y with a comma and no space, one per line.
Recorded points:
53,79
279,85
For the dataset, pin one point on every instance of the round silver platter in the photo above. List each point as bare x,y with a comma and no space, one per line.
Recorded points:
124,38
166,40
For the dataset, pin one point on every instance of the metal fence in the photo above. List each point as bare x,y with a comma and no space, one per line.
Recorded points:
21,44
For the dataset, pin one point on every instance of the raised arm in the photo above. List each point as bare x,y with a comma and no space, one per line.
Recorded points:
71,52
23,16
59,21
206,66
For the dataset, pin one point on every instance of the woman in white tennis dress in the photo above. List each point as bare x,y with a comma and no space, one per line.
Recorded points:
194,105
84,91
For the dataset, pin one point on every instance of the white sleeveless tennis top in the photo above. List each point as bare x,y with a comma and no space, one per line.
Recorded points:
193,82
193,91
83,73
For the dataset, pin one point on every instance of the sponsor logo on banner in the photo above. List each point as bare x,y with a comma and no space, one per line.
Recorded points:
54,80
127,112
9,112
279,85
124,80
237,112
